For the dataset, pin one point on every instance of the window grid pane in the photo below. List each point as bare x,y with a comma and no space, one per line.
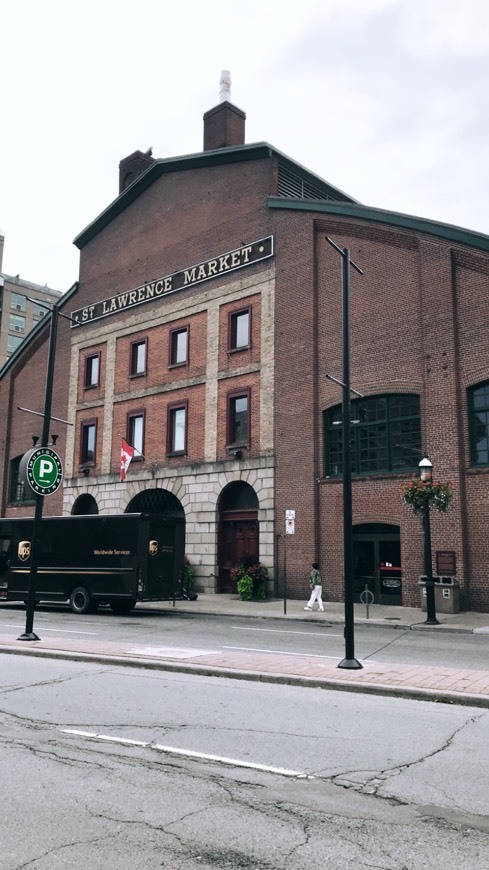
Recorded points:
239,420
178,430
179,346
88,443
386,438
242,330
138,358
136,431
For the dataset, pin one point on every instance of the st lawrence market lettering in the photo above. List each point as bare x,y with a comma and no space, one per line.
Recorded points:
224,263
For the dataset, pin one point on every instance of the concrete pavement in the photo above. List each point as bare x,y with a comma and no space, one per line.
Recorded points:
443,684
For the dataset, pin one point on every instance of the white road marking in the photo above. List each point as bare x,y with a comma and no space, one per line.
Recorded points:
188,753
284,631
45,628
274,652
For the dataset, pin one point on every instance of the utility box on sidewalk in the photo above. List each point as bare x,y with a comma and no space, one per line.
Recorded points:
447,594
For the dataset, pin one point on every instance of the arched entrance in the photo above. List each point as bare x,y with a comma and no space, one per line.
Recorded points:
84,504
154,501
238,534
377,562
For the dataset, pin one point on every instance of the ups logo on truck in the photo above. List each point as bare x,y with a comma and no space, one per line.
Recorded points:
153,548
24,550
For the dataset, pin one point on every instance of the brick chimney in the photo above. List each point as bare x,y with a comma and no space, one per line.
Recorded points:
224,126
132,166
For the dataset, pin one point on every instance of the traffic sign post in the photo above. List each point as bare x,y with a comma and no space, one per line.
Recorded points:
44,473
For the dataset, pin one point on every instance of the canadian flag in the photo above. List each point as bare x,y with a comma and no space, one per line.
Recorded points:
127,452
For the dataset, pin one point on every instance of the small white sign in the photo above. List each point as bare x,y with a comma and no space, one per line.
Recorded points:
289,522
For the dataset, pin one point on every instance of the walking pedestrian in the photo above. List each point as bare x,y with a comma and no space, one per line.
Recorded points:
316,588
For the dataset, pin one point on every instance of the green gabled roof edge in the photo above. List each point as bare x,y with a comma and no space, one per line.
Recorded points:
422,225
216,157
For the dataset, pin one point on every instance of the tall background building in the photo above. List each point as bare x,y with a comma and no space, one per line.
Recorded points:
20,308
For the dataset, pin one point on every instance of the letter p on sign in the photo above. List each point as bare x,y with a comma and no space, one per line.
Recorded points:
46,467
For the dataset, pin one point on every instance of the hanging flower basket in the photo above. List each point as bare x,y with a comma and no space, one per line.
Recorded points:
418,494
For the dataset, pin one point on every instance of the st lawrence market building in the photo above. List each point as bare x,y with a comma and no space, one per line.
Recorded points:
205,326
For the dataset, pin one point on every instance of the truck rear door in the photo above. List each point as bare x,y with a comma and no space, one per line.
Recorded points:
162,580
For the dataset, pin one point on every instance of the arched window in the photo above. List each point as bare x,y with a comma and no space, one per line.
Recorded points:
385,435
479,424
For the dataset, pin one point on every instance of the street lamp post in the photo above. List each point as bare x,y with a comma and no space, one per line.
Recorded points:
349,661
426,475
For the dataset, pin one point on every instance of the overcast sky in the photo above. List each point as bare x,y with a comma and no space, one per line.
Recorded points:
385,99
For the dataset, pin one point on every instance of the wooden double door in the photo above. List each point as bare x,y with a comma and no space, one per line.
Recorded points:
238,538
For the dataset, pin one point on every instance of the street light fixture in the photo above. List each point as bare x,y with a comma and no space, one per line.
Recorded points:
349,662
426,476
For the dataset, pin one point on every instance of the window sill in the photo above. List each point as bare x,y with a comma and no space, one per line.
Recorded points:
178,365
233,350
176,453
137,375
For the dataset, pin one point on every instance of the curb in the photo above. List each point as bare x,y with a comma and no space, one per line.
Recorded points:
409,692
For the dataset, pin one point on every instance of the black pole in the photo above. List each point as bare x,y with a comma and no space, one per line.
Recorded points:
428,570
36,534
285,573
349,661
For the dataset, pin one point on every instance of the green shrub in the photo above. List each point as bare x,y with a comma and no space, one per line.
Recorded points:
250,572
245,587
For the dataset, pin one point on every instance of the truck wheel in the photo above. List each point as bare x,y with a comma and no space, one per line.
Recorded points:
80,601
123,606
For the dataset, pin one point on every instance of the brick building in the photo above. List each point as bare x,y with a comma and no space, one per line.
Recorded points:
209,312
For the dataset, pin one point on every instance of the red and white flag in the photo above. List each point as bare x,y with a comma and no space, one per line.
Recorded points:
127,452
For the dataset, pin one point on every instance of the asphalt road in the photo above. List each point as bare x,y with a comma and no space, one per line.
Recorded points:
122,769
184,630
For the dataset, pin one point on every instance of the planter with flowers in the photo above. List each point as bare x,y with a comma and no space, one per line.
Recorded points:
250,578
419,494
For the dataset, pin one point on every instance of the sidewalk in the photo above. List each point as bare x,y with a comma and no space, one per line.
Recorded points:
449,685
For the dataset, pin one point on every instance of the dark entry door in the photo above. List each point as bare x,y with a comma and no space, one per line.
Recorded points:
377,562
238,537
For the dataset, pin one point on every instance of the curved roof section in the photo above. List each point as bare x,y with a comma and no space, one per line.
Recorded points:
356,210
216,157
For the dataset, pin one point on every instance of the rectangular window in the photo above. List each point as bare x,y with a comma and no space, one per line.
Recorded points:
479,424
92,370
239,332
239,419
13,342
138,357
135,433
38,311
88,441
177,429
179,347
18,302
16,323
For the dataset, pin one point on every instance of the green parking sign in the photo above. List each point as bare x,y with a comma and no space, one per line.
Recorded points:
42,470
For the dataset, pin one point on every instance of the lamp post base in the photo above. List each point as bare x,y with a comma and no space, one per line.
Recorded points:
29,636
432,620
350,664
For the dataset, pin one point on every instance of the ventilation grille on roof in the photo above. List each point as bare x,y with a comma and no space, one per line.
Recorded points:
292,185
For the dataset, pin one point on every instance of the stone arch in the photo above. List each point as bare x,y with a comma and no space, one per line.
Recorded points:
84,504
155,501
